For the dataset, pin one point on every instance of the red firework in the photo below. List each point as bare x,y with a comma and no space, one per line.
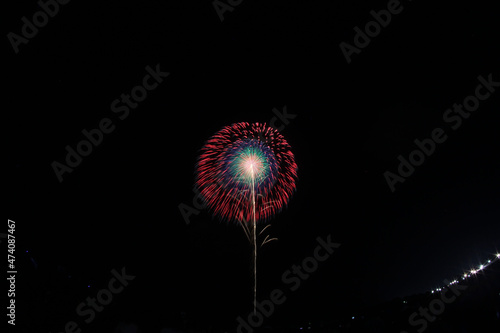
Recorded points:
246,172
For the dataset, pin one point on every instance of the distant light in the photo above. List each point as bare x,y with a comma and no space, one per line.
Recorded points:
352,317
88,286
26,251
498,255
481,267
473,271
489,261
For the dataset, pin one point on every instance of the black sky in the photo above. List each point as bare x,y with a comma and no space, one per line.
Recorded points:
120,206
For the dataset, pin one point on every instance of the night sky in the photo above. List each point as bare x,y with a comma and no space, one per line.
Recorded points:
120,206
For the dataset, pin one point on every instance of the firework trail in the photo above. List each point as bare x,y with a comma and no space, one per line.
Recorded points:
246,173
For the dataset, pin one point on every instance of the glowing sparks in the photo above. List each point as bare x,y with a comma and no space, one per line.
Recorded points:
246,173
242,164
250,162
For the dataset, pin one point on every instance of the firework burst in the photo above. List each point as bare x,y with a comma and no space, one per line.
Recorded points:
246,167
247,173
